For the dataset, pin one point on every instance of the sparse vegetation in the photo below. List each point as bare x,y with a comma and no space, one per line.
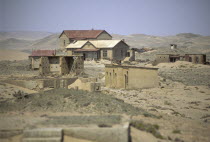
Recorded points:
176,131
167,103
151,128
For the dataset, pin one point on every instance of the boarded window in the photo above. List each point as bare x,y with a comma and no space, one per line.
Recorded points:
105,53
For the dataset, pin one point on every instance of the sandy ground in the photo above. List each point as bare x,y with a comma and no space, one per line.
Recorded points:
12,55
180,104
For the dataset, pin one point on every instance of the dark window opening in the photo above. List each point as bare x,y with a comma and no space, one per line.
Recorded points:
105,53
196,59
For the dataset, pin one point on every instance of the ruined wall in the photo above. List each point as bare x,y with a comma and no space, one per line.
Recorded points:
44,67
35,62
87,84
79,66
196,58
64,68
161,59
54,64
131,78
104,36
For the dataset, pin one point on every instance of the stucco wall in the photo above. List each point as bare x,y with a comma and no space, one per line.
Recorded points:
104,36
131,78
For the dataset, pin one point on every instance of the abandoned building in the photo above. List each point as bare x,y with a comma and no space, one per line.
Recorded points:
92,44
48,62
99,49
70,36
166,58
130,77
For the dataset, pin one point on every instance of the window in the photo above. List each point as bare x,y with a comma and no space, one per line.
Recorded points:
104,53
64,42
121,53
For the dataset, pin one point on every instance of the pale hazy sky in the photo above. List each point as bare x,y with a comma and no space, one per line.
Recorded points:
153,17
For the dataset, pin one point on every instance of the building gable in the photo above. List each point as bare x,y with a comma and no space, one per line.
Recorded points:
88,45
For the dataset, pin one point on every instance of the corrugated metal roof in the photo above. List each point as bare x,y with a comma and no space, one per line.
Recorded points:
77,44
105,43
43,53
82,34
96,43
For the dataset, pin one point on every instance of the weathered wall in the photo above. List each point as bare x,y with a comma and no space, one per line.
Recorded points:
104,36
54,64
63,38
44,67
196,58
130,77
79,67
161,59
35,62
64,66
120,51
109,53
87,84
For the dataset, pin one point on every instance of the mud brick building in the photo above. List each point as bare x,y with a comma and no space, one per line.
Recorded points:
48,62
130,77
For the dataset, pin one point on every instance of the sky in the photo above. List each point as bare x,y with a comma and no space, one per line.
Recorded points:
152,17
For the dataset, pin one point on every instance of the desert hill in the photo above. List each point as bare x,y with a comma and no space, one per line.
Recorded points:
187,42
25,35
13,43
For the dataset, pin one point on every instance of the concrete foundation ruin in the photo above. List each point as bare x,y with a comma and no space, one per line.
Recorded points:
87,84
167,58
48,62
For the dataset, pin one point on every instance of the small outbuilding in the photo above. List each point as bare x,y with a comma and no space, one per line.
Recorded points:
130,77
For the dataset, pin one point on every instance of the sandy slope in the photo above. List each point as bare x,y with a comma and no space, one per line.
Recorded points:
13,55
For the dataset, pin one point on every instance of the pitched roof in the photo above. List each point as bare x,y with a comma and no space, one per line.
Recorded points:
96,43
82,34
